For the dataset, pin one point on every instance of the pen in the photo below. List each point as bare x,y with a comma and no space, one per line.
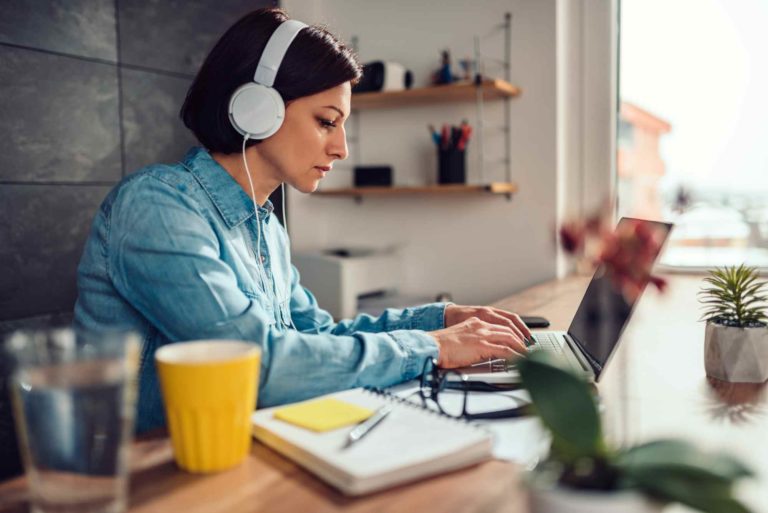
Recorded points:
445,141
435,135
367,425
466,131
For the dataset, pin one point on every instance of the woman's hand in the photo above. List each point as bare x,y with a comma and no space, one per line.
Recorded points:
474,340
455,314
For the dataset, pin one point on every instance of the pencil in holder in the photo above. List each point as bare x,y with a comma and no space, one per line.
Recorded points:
451,166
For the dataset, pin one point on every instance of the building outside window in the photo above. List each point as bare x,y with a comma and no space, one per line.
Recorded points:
693,126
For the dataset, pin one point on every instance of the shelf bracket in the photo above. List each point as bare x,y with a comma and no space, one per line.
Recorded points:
507,103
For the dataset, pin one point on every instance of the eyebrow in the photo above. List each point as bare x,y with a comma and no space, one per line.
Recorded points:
341,112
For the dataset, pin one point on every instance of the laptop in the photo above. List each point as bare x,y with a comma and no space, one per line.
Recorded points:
594,333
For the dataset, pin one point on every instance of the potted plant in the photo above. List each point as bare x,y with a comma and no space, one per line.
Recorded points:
736,336
584,474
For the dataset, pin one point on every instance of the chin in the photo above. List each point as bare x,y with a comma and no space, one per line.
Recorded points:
307,188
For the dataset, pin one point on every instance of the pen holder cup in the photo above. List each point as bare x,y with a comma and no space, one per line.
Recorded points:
451,166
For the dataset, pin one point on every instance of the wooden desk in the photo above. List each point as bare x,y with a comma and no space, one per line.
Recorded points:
267,482
665,394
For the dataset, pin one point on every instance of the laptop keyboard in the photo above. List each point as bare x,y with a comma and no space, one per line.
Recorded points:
553,342
547,342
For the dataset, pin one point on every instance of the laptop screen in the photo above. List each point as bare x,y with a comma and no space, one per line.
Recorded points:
605,311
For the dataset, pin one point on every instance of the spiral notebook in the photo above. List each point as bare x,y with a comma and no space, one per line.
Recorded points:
411,443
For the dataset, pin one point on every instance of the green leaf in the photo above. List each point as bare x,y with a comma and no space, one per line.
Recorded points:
683,456
565,405
675,470
673,487
735,293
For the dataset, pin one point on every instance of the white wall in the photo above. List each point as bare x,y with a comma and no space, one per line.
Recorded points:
480,248
587,97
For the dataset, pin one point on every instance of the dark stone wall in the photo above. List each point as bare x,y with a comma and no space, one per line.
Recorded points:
90,91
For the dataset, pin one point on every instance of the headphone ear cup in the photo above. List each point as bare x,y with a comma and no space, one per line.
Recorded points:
256,110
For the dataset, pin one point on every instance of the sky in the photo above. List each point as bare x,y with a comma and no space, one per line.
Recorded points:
701,65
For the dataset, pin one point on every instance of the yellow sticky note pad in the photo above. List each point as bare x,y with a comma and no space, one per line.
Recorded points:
323,414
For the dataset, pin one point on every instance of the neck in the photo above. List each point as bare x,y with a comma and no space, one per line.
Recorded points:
263,183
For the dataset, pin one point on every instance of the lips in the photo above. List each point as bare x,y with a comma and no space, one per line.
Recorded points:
323,168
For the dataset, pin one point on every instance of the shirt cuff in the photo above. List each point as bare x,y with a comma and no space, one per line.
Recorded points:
429,317
419,346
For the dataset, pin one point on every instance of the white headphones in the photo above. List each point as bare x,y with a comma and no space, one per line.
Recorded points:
256,109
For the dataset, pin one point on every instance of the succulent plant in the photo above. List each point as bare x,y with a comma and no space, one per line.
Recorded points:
669,470
734,296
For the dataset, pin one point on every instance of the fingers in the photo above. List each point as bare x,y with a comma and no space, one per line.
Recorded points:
504,321
507,339
492,315
520,324
492,351
515,319
501,332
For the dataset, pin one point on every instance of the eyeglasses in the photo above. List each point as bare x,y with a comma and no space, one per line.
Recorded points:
477,406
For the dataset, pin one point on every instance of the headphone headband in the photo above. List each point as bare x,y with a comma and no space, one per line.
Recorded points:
256,109
275,50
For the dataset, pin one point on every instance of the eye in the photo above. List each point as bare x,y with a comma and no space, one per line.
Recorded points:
326,123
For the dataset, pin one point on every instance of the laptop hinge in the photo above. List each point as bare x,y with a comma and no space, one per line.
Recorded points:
594,364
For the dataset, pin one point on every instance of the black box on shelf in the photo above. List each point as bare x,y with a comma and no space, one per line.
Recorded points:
373,176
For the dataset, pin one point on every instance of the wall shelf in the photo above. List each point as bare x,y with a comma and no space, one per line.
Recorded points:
456,92
479,91
359,192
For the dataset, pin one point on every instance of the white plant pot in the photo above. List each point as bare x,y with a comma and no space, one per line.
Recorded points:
563,500
737,355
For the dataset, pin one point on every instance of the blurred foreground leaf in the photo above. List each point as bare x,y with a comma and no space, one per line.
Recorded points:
565,405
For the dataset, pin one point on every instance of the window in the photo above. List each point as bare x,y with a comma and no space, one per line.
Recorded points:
693,126
626,133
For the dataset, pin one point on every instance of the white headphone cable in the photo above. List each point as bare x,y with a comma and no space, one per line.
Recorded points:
259,264
285,209
288,239
258,223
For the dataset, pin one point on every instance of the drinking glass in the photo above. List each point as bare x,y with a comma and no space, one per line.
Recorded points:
74,397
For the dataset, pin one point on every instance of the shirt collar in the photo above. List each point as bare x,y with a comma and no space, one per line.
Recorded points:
234,205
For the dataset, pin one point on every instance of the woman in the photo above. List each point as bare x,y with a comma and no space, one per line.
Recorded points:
192,250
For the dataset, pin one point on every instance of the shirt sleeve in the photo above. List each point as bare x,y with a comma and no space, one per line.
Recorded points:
310,318
164,259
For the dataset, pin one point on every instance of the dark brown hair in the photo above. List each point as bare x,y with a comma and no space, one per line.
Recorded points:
315,61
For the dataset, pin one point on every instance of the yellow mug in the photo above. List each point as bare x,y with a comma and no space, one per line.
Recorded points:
209,389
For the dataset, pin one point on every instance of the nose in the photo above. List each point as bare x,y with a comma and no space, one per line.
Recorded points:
337,144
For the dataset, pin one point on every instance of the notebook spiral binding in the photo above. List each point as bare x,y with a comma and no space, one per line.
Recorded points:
392,397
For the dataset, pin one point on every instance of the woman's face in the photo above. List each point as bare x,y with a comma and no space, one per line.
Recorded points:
311,138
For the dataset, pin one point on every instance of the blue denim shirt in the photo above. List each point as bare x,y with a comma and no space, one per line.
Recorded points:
171,255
